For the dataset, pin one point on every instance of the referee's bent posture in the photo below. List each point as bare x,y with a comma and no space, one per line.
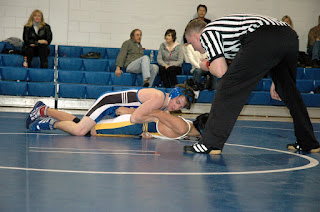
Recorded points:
257,45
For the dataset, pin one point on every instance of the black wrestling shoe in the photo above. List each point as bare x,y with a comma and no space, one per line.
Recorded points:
297,147
202,149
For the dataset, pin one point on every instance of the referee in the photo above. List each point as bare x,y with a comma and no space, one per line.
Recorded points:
257,45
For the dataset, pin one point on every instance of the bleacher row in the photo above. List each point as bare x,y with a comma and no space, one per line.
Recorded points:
75,77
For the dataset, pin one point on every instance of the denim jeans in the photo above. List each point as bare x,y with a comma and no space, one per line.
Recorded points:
314,51
198,73
142,65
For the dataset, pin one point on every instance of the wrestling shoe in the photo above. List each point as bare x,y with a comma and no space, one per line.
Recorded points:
39,110
42,124
201,148
297,147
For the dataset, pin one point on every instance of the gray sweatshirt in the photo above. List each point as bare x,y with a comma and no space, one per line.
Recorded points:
173,58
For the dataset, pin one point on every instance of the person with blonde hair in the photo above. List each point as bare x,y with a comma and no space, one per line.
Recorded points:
37,36
288,20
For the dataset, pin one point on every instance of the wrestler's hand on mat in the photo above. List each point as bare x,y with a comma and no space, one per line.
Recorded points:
124,110
146,135
273,93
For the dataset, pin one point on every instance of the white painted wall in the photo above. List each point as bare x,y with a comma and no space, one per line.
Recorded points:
107,23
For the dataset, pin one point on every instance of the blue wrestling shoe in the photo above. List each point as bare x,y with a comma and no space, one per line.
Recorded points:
39,110
42,124
201,148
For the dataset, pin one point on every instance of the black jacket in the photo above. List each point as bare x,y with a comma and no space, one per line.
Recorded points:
31,37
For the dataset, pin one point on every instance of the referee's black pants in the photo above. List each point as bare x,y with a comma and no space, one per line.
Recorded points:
269,49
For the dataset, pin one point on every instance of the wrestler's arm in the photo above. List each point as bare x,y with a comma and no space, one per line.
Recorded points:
170,124
143,113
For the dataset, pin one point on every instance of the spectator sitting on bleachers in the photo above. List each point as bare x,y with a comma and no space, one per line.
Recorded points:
195,59
132,58
314,44
37,36
170,59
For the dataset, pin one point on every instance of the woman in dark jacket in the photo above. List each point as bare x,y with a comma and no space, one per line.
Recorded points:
37,36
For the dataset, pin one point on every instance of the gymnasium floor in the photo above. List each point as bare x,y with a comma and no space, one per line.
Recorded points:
52,171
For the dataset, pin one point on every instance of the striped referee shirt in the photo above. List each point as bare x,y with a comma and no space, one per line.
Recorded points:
221,38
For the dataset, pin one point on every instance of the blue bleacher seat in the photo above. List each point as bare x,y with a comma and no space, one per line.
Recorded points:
14,73
266,84
96,65
312,73
13,88
41,75
139,80
186,68
94,91
52,50
125,79
259,98
112,65
35,63
259,86
72,91
123,88
70,63
113,53
300,73
2,44
181,78
155,54
100,78
206,96
305,86
316,83
102,51
12,60
68,76
311,100
41,89
69,51
157,81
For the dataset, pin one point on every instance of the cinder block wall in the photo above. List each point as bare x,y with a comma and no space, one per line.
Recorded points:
107,23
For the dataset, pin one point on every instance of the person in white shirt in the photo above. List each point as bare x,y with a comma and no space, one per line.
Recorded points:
195,58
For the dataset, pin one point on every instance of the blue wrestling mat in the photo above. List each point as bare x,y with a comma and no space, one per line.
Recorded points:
53,171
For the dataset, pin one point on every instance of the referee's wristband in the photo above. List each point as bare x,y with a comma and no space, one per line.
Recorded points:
208,64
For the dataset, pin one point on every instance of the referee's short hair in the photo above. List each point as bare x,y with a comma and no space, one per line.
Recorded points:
195,26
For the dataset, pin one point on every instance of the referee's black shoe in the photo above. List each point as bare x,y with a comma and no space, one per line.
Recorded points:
202,149
296,146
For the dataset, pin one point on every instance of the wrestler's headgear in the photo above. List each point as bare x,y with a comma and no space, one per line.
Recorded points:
184,90
200,122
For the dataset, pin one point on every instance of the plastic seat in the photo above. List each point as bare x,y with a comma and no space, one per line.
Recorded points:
94,91
68,76
69,51
259,98
13,73
125,79
72,91
13,88
186,68
305,86
311,100
181,78
70,63
100,78
266,85
300,73
102,51
112,65
206,96
312,73
41,75
41,89
52,50
12,60
113,53
96,65
35,63
2,44
259,86
124,88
